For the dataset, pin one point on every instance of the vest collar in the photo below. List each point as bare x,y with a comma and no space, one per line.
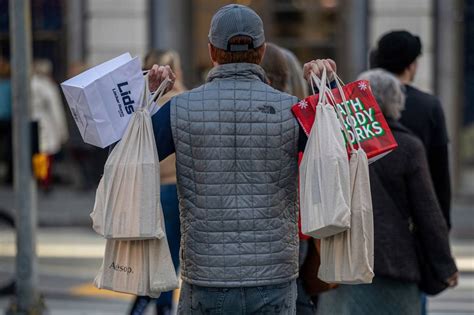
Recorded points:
237,71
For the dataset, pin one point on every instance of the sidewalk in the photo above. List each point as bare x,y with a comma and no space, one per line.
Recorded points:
69,258
63,206
68,261
70,254
84,243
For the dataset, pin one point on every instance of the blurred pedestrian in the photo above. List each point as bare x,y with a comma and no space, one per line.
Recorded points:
275,64
172,59
48,110
88,160
169,196
406,213
276,67
6,150
296,86
236,144
398,52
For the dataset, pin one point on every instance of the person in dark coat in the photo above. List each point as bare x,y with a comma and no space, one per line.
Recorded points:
403,198
398,53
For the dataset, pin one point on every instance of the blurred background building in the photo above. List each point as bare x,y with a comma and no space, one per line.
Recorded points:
90,32
76,34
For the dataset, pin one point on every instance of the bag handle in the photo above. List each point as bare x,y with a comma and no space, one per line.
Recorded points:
332,98
321,86
151,104
339,84
349,113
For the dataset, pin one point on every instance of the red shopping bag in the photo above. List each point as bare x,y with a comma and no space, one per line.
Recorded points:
300,234
370,126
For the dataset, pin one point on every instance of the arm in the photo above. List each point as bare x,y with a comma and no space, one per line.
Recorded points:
161,119
439,169
302,139
438,159
316,67
162,130
427,216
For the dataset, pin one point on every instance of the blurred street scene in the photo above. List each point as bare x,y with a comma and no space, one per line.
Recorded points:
71,36
70,254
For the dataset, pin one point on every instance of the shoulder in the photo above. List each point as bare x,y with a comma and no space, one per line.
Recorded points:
195,90
427,100
408,143
274,93
182,99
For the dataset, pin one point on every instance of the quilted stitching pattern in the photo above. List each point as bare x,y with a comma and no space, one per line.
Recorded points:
236,163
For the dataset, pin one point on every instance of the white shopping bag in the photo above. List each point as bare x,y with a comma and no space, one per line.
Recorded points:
348,257
137,267
103,99
127,204
324,175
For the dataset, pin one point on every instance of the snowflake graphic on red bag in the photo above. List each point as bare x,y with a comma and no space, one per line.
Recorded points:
370,126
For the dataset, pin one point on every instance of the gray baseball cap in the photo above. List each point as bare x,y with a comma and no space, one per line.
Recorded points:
232,20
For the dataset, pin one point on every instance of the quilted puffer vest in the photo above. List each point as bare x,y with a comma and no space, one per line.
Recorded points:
236,159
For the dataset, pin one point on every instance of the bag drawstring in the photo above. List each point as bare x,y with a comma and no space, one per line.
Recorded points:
323,87
160,91
326,89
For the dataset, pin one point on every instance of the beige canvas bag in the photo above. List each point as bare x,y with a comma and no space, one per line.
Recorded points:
324,174
127,203
142,267
348,257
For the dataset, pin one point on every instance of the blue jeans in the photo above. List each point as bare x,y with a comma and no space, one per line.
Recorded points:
269,299
424,303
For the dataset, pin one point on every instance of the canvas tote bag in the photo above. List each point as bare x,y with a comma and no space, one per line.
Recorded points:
142,267
127,203
324,175
348,257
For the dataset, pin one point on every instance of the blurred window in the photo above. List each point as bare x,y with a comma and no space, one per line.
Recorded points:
49,32
306,27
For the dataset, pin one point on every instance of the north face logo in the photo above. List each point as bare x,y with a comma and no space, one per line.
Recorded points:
267,109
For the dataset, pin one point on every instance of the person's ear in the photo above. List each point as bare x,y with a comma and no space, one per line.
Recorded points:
263,52
212,54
